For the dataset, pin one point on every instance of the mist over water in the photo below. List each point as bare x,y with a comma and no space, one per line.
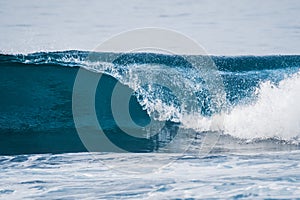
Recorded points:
222,28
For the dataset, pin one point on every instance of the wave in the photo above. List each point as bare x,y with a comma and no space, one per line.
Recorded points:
36,98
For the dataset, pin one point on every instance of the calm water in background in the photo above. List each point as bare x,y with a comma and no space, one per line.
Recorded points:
222,28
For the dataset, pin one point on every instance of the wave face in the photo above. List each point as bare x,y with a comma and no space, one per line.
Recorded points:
262,95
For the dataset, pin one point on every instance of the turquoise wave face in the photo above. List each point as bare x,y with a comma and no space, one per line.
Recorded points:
36,100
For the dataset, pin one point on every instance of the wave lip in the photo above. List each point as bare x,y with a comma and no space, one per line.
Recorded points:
224,63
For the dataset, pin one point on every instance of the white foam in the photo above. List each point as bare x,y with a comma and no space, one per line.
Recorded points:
275,114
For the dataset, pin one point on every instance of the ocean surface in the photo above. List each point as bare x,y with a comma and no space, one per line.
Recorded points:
237,140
